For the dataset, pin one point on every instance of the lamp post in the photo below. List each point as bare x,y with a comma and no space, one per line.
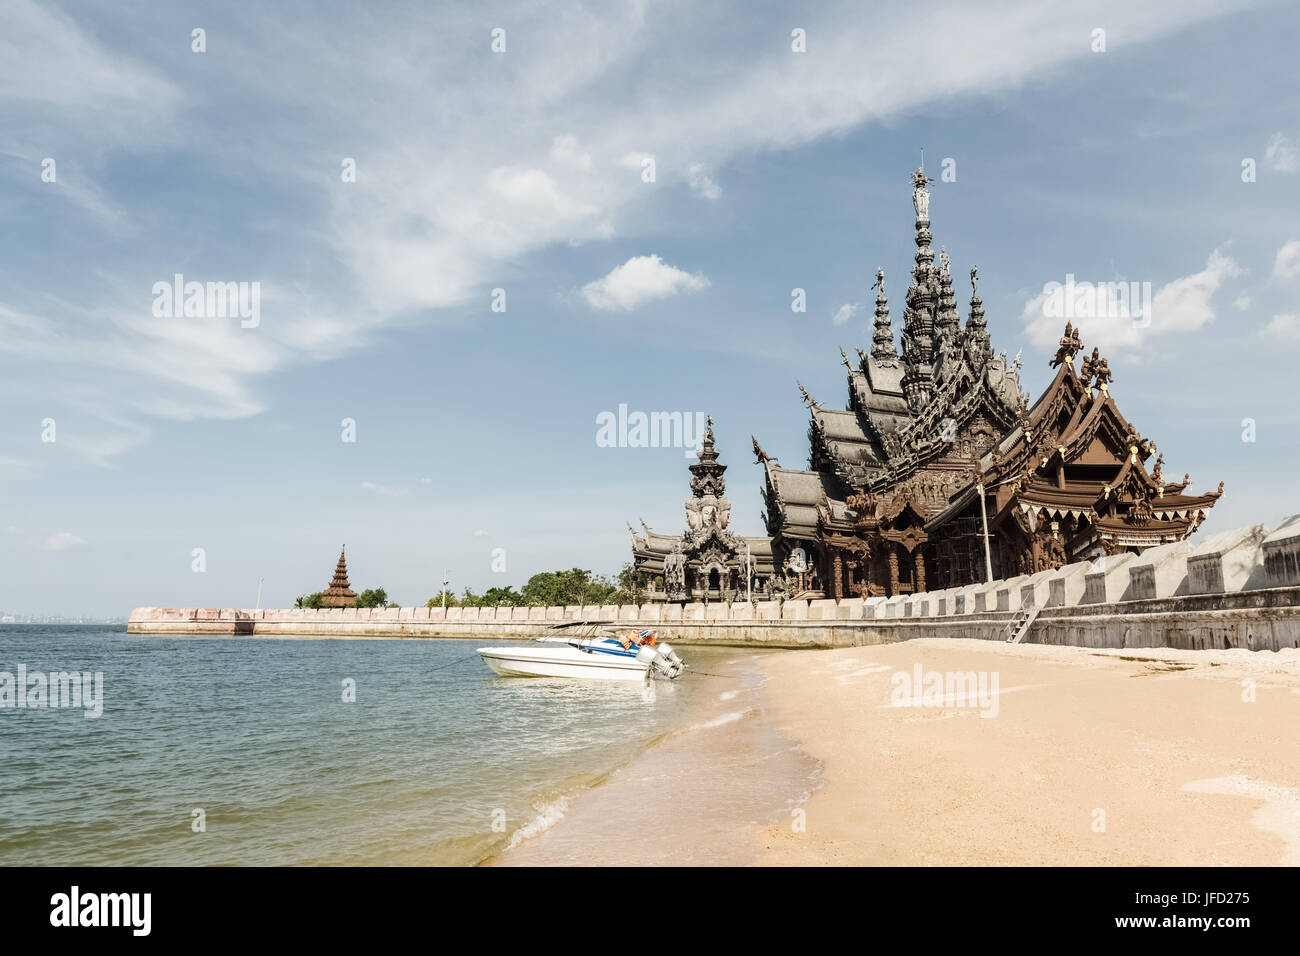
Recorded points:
445,581
749,575
984,519
259,593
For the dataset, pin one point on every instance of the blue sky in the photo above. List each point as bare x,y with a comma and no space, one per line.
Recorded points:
522,170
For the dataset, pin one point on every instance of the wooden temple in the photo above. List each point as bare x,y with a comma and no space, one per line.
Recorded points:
939,474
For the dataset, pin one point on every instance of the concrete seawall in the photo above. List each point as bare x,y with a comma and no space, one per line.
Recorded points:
1238,588
1255,620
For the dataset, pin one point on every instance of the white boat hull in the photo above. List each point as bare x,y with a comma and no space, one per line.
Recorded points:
560,662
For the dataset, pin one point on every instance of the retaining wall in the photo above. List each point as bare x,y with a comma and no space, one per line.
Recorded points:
1210,597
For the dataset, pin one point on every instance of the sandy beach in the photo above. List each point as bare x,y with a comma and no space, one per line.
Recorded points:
1060,756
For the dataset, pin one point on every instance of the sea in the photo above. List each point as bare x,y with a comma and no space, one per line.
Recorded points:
254,751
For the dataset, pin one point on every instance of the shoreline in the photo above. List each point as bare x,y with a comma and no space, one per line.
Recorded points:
690,797
1091,757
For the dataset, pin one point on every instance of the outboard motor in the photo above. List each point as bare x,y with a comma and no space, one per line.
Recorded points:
674,662
660,660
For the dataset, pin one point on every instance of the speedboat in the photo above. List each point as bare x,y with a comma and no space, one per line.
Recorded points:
598,656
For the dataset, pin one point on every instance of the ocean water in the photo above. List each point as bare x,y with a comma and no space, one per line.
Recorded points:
438,761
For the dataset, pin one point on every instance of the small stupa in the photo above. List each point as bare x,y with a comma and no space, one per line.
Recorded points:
339,593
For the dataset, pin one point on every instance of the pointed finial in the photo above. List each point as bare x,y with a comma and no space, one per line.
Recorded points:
974,280
882,347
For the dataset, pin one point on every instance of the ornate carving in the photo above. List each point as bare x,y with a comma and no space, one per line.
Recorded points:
1070,343
675,573
921,195
761,457
1101,370
1088,368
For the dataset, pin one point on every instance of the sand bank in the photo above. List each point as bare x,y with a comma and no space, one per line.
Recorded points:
1041,755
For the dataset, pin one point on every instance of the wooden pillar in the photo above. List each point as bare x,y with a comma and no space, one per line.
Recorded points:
837,578
919,555
893,569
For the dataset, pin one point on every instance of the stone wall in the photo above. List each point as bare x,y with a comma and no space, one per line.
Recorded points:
1213,596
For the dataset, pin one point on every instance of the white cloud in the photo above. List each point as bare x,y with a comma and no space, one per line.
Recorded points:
1282,156
1113,317
463,174
633,160
566,151
845,312
641,279
1242,302
46,58
1287,263
700,179
1283,326
480,533
63,541
382,490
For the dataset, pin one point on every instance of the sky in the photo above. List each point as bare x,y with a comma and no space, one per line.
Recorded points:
471,230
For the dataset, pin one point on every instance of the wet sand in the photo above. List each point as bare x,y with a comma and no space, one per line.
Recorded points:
694,797
1088,757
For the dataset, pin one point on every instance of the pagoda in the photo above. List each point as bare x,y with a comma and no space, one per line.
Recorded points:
339,593
707,561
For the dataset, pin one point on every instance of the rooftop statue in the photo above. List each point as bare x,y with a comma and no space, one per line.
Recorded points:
921,195
1070,343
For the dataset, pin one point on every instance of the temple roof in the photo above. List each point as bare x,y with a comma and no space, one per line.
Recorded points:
1070,426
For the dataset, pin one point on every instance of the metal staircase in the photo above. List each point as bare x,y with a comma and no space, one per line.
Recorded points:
1020,625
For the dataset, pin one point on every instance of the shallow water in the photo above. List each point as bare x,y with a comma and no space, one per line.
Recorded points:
437,760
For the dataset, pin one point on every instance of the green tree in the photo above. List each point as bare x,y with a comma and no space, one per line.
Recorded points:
436,600
373,597
551,588
630,586
494,597
308,600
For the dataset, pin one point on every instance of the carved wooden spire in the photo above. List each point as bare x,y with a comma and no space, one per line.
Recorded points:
882,340
948,322
977,330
